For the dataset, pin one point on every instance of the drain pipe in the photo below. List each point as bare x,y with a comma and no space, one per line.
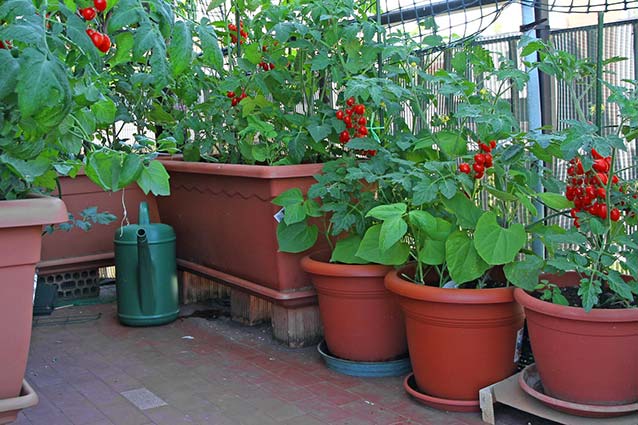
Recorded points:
534,113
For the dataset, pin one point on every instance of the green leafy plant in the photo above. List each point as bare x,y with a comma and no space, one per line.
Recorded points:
598,194
465,179
285,64
55,98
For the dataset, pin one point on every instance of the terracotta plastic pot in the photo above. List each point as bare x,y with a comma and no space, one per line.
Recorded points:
361,319
20,241
460,340
587,358
80,250
223,217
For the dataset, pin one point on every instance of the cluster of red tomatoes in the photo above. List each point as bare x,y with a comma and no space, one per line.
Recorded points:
233,33
355,121
234,98
587,189
101,41
482,161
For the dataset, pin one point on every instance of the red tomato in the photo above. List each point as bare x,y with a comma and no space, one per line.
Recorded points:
100,5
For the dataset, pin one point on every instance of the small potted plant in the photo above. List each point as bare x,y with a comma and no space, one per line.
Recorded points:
582,314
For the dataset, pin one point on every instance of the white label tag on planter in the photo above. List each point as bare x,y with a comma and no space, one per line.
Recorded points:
519,345
280,215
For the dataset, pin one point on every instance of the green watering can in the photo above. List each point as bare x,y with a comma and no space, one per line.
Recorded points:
146,272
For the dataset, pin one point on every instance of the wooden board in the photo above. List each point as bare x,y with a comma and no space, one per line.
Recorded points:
510,393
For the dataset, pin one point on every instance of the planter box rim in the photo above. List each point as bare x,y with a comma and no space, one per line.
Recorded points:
176,164
34,211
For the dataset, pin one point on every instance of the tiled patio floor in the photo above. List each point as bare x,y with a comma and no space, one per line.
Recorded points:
198,371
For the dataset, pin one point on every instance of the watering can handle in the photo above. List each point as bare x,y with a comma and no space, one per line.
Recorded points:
143,217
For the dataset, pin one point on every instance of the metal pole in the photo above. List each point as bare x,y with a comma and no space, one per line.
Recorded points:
599,72
534,113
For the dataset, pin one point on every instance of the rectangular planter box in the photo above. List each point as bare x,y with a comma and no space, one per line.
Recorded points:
79,250
223,217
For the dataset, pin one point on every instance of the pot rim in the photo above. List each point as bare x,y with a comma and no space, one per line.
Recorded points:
33,211
574,313
177,164
312,263
396,284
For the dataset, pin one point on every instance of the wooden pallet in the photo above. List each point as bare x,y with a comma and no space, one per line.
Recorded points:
510,393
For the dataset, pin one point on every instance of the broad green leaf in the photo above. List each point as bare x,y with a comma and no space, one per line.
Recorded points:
9,69
319,132
451,143
27,29
127,13
320,62
124,42
495,244
113,170
11,8
289,197
180,49
369,249
464,263
467,213
434,228
294,213
312,208
154,179
385,212
212,56
43,89
433,252
392,230
346,249
555,201
297,237
524,274
26,170
104,111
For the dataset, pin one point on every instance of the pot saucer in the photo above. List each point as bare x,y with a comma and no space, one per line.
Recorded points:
409,383
395,367
530,382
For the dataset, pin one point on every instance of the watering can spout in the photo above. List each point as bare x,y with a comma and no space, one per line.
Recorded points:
145,273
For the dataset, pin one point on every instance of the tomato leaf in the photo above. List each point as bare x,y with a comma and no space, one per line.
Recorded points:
9,69
180,50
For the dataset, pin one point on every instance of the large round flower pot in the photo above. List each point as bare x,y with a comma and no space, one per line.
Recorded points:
20,241
79,250
586,358
361,319
460,340
223,218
